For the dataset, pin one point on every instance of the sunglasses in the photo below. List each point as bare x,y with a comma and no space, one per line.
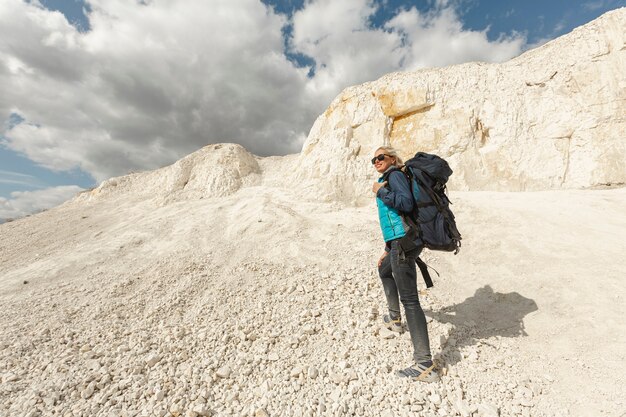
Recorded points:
379,158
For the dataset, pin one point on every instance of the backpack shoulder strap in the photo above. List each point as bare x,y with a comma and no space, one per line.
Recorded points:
388,173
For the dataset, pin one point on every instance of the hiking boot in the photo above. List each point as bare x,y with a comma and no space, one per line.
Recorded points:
424,372
395,325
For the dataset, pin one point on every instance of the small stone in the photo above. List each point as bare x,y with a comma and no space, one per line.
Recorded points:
387,413
153,360
273,356
10,377
524,392
525,402
93,365
386,333
176,409
201,410
462,408
223,372
88,392
260,413
296,371
336,377
488,410
262,390
335,396
313,372
435,399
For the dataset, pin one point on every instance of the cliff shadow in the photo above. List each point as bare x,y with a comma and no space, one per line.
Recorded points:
484,315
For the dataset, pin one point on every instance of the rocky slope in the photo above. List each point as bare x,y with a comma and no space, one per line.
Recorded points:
212,287
261,303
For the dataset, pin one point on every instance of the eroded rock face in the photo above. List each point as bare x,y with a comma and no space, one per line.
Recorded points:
213,171
554,117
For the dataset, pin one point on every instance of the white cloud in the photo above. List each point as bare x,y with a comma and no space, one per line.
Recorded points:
558,28
149,84
594,5
23,203
439,39
509,13
348,51
16,178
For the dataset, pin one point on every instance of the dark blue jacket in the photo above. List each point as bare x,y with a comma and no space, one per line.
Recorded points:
392,201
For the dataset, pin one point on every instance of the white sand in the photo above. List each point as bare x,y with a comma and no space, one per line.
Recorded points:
260,302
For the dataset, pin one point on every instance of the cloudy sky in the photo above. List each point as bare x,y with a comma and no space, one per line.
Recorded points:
91,89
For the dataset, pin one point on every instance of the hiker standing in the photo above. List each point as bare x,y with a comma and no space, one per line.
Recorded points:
396,266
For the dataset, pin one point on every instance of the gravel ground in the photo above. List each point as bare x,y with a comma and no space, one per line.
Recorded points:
264,304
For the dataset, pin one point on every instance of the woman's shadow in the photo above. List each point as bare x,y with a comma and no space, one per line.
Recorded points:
485,314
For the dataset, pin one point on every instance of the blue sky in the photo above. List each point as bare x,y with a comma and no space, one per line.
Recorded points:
91,89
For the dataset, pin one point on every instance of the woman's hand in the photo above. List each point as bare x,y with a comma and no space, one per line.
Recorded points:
380,261
377,186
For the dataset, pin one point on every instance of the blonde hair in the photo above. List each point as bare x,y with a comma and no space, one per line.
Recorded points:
391,152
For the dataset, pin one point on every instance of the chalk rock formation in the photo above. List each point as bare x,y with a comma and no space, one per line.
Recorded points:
554,117
213,171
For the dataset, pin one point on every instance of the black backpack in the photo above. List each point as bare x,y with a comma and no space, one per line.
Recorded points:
431,219
436,226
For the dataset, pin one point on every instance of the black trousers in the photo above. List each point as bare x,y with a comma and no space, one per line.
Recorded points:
398,275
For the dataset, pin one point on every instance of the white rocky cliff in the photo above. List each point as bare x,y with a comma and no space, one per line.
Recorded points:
555,117
222,286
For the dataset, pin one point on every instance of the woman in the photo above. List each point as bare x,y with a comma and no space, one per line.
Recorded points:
396,266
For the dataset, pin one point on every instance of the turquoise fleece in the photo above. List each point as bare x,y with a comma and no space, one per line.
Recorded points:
391,201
